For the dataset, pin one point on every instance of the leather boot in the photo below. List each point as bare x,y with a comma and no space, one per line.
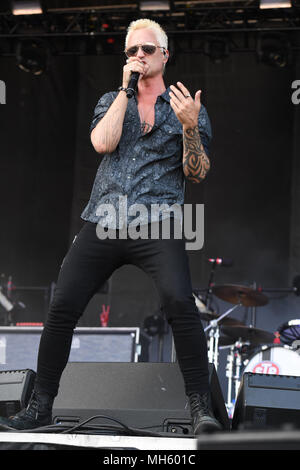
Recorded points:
38,413
203,420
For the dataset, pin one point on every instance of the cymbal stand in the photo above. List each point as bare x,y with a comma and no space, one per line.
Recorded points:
229,375
234,360
214,335
208,294
238,364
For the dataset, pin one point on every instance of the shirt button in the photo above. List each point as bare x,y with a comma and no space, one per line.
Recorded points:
133,158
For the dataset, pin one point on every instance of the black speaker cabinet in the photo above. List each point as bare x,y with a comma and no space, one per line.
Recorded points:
140,395
15,390
267,401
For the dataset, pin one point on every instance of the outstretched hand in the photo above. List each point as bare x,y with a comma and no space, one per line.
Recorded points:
184,106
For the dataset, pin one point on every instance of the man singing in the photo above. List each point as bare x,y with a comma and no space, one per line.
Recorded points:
150,144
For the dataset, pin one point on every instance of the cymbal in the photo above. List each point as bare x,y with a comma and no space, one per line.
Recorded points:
248,333
244,295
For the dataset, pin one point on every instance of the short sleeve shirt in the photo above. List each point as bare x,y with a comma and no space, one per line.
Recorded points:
145,169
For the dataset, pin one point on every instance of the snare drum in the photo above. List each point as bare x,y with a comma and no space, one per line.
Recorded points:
274,359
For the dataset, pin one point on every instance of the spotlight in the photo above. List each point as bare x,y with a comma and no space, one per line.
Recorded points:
20,7
274,50
32,56
217,49
154,325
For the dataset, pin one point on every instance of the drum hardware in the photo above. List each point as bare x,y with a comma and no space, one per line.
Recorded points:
208,294
223,334
241,336
296,346
233,373
229,375
253,309
214,335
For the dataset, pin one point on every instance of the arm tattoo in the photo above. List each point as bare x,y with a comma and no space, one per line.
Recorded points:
195,161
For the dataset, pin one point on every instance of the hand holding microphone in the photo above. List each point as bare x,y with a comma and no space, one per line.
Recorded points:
132,71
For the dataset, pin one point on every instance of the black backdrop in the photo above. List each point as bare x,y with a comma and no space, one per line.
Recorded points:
251,195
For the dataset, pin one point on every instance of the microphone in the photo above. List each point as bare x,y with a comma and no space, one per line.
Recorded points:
226,262
132,84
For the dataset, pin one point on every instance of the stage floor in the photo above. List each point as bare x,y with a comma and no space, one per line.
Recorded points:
282,439
88,441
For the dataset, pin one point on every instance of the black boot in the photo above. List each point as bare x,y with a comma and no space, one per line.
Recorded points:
38,413
203,420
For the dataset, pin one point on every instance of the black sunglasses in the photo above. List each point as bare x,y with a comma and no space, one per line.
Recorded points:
148,49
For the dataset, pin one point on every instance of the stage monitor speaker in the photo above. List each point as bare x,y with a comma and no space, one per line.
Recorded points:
266,401
15,390
141,395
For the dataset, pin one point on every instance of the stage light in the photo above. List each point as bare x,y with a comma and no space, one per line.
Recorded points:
32,56
154,325
152,5
20,7
274,50
217,49
265,4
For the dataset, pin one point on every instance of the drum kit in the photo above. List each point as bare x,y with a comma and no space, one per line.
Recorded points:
250,349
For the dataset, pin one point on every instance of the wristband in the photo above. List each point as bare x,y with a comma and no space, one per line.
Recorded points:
121,88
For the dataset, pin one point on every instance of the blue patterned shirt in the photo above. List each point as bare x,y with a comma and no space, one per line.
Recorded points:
144,168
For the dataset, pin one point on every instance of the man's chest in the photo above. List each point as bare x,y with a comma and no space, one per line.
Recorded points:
147,116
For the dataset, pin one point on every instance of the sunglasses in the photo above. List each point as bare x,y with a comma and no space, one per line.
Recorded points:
148,49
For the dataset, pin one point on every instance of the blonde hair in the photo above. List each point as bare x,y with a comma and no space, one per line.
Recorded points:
144,23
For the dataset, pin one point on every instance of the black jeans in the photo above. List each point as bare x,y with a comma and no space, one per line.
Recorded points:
87,265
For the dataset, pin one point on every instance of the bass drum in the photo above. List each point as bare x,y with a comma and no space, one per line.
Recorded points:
274,359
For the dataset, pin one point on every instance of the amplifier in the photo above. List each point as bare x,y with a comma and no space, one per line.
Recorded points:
19,346
267,401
